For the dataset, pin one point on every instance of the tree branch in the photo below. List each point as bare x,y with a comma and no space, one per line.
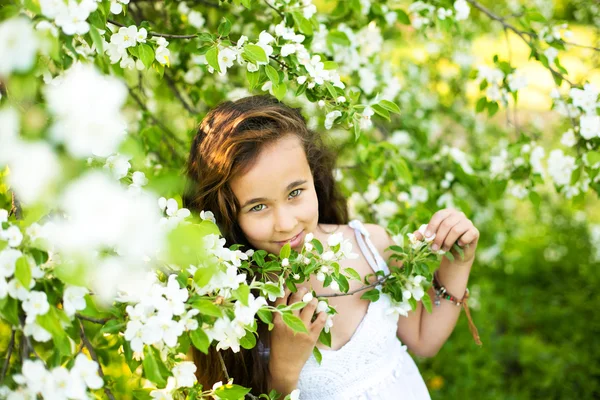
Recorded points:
177,93
93,320
92,352
519,32
165,35
16,207
273,7
378,282
9,351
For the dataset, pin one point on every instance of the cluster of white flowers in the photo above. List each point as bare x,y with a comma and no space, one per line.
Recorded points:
418,194
459,157
183,376
560,167
162,54
194,18
423,14
226,277
494,78
18,46
34,166
127,224
120,41
70,15
556,32
87,110
59,383
152,320
587,100
516,81
173,214
339,249
228,332
117,6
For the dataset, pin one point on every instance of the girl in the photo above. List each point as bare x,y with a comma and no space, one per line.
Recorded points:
268,180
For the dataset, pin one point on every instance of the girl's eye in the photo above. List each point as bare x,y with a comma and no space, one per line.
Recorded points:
295,192
258,207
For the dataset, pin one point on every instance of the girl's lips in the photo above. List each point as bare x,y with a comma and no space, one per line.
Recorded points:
295,241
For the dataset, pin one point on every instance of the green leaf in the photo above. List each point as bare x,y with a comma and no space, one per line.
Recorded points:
212,58
224,27
279,90
372,295
331,90
204,274
255,53
200,340
154,368
9,310
272,288
449,256
381,111
272,74
258,258
328,65
493,108
51,322
325,338
248,341
317,354
23,271
231,392
97,39
426,300
265,316
390,106
207,307
294,322
318,245
242,293
253,78
285,251
146,54
593,157
343,282
403,17
353,274
302,24
338,37
481,103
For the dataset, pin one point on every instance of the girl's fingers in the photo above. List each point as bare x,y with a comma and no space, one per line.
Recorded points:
472,235
307,312
456,232
436,221
296,298
319,323
443,229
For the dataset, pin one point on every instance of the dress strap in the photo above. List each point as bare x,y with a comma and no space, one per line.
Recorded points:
367,247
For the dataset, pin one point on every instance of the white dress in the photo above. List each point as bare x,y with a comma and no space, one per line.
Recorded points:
373,364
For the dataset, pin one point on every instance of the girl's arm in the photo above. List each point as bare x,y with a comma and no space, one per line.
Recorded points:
424,333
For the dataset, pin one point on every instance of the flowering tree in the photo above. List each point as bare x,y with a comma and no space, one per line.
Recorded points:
103,286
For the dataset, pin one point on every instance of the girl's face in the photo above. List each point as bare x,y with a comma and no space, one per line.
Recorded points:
277,197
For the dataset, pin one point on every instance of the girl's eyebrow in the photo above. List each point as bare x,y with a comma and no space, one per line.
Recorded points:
288,188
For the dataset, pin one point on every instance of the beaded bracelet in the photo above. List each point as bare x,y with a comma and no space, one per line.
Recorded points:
442,292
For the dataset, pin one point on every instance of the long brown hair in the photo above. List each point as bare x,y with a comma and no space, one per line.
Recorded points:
227,142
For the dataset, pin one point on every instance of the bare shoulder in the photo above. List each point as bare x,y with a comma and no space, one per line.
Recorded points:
379,236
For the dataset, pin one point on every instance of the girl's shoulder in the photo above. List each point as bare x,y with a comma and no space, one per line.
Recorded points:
377,234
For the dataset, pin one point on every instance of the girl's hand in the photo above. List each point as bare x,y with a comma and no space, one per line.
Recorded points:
289,349
452,226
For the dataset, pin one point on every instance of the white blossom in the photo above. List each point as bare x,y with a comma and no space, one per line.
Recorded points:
36,304
184,373
74,299
18,45
87,109
560,167
589,126
462,10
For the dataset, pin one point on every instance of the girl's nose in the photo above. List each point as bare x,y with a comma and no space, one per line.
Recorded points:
285,221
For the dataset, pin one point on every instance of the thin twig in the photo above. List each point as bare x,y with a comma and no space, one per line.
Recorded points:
583,46
92,352
11,346
378,282
94,320
223,367
16,207
165,35
273,7
520,33
177,93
